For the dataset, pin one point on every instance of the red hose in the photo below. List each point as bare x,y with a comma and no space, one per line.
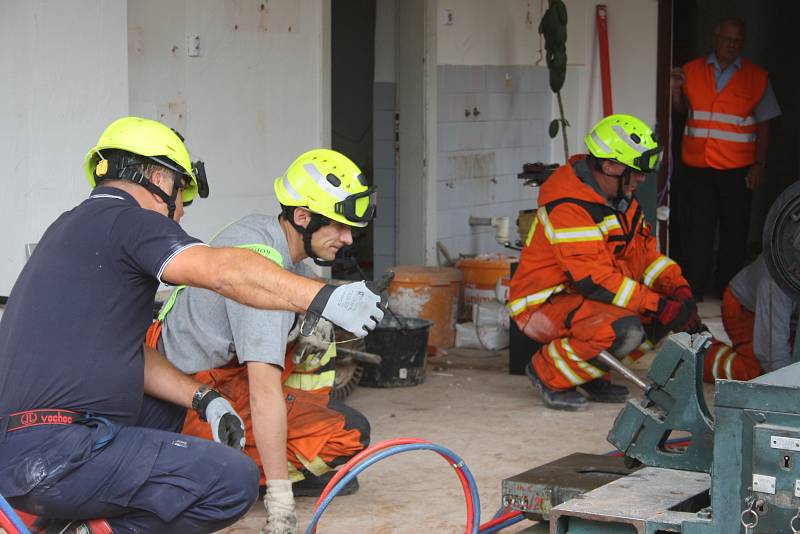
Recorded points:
6,524
369,451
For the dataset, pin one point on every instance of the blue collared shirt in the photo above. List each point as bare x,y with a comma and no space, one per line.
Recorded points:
766,109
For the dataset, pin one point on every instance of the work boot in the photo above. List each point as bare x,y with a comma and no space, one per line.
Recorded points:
566,399
74,526
601,390
312,486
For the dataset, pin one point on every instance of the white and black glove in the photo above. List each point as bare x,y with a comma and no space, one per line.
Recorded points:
226,425
352,306
315,345
279,503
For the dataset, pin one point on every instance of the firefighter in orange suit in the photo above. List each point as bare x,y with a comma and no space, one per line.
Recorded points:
590,277
724,149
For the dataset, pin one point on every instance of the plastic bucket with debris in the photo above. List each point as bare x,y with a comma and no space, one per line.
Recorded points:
402,346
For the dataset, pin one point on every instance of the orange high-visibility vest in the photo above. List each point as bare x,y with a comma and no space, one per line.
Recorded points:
721,129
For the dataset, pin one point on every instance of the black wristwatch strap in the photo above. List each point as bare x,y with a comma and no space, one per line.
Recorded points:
202,398
321,299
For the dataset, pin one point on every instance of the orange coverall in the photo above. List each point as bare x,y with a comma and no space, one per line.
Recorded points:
588,277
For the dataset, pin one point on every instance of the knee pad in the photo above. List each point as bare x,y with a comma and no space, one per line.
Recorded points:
628,335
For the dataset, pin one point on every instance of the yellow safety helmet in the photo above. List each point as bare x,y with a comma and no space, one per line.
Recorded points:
627,140
330,184
149,139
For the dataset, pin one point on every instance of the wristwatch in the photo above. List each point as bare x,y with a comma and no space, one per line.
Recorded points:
200,402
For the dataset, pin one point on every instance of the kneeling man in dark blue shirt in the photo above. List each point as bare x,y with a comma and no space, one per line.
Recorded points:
88,417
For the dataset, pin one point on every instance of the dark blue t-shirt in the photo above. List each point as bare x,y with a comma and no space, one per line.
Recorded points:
72,332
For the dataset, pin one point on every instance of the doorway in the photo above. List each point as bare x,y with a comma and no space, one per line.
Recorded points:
769,43
352,76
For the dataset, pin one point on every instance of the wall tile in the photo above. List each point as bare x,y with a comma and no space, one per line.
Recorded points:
383,240
383,125
386,210
383,154
385,179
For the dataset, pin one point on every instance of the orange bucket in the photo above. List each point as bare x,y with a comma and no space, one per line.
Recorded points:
428,293
480,276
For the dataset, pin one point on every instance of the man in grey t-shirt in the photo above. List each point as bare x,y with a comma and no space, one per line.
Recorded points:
323,196
760,319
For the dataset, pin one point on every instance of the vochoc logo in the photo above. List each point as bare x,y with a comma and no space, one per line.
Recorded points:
29,418
58,418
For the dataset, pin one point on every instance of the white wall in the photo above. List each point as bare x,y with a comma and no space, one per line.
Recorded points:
505,32
256,97
65,77
632,42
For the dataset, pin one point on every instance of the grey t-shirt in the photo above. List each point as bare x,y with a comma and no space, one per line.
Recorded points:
775,314
204,330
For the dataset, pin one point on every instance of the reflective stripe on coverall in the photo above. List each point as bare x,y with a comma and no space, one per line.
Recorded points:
739,361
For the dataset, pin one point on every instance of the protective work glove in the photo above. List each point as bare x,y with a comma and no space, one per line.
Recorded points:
226,425
693,324
351,306
314,345
279,503
672,314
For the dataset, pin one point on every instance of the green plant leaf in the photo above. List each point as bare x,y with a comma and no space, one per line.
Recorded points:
553,129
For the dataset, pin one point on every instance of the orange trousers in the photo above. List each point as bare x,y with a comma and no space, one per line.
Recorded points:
735,362
573,330
322,433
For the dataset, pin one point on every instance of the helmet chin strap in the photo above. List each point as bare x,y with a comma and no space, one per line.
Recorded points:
623,180
313,225
169,200
137,177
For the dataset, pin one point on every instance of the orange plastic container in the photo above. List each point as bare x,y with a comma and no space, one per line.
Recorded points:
428,293
480,276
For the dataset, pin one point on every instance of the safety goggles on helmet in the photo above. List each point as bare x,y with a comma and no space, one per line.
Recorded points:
359,207
649,160
199,170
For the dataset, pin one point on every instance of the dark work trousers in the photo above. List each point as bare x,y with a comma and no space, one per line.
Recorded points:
715,197
147,479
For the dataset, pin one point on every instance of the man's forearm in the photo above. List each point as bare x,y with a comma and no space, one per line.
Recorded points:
268,411
244,276
678,101
249,279
164,381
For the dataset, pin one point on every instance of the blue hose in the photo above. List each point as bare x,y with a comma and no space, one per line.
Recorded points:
12,516
455,461
505,524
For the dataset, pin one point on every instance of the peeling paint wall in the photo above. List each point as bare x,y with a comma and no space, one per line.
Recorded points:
65,76
255,95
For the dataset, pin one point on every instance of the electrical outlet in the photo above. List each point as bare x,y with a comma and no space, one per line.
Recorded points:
193,45
447,17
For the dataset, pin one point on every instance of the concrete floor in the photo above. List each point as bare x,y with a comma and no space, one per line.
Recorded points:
470,404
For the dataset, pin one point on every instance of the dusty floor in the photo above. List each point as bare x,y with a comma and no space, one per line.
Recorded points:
493,420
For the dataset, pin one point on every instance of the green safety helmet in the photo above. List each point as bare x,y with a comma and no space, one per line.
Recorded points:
331,187
147,139
627,140
330,184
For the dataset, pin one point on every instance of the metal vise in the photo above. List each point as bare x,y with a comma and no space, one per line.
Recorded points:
673,402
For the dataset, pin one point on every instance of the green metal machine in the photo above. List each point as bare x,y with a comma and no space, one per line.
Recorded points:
741,470
751,452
